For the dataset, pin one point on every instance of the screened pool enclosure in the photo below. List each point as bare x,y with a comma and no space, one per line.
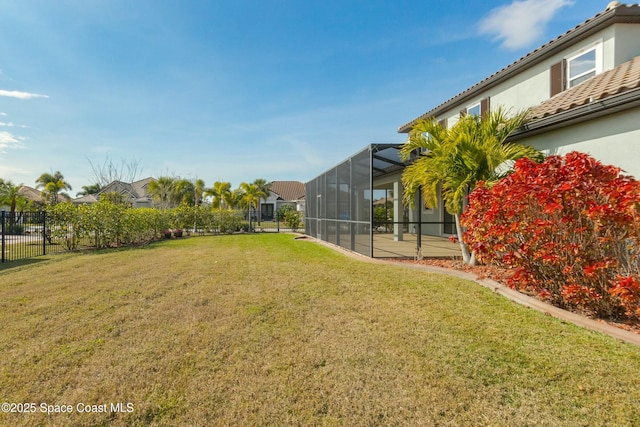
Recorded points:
358,205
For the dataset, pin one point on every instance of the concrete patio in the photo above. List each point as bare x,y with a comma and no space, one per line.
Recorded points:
384,246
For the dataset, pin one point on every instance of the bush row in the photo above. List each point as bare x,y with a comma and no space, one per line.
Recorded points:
107,224
570,227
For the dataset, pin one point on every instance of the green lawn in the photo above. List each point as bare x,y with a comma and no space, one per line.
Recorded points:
267,330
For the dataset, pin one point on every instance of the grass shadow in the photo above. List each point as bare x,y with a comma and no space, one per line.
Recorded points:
8,265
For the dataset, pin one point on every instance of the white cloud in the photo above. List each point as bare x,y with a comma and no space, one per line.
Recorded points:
8,140
520,23
20,95
8,124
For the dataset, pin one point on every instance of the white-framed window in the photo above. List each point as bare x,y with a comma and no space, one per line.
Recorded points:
474,110
584,65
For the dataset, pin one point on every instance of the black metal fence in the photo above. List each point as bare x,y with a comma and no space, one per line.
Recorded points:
25,235
31,234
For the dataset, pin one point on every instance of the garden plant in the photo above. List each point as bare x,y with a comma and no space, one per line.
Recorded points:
570,227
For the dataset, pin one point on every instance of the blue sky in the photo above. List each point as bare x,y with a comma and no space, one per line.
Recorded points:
238,90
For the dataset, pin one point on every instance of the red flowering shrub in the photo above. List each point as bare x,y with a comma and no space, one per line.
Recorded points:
570,226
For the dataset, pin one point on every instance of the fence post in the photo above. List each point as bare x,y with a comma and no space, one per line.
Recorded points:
3,220
44,232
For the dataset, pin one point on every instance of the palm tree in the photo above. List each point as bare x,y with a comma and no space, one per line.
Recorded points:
264,187
52,185
222,195
10,195
455,160
251,196
183,192
162,191
90,189
198,191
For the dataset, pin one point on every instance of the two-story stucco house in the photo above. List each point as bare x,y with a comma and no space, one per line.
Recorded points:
583,91
583,88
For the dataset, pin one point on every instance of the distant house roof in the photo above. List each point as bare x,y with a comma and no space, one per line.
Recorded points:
87,198
136,190
30,193
35,195
615,13
140,187
288,190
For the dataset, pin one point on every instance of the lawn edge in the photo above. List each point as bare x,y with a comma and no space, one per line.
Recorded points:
513,295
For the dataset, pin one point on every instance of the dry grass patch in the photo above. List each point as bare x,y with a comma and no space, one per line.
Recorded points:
266,330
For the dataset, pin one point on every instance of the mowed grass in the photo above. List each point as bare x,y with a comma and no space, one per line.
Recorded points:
265,330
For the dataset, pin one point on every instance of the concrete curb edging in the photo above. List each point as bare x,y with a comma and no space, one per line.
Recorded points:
513,295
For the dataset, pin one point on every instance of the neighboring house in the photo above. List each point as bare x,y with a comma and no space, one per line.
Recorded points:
31,194
282,193
135,193
583,91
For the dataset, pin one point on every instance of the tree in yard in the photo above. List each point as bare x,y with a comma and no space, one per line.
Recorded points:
251,195
52,185
183,192
198,191
454,160
222,195
10,196
108,171
90,189
264,187
162,191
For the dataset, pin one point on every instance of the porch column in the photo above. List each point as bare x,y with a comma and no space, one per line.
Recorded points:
398,211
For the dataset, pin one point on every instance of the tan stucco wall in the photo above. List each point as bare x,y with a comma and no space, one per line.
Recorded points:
613,139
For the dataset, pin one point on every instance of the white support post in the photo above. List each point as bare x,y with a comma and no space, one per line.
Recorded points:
398,211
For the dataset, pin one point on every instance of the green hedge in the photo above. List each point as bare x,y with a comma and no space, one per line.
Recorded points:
106,224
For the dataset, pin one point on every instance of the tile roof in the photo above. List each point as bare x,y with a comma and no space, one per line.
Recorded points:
87,198
34,195
136,189
140,187
623,78
30,193
288,190
614,13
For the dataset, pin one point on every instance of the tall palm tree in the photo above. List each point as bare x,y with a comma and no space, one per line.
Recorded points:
222,195
10,195
52,185
251,196
198,191
455,160
264,187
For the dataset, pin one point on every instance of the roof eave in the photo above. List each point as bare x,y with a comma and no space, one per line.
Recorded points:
617,15
593,110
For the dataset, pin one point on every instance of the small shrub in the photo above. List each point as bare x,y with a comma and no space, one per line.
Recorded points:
569,226
289,216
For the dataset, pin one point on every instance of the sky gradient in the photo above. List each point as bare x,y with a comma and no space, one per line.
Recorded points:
239,90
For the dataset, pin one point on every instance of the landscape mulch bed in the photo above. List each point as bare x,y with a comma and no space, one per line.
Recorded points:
502,275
